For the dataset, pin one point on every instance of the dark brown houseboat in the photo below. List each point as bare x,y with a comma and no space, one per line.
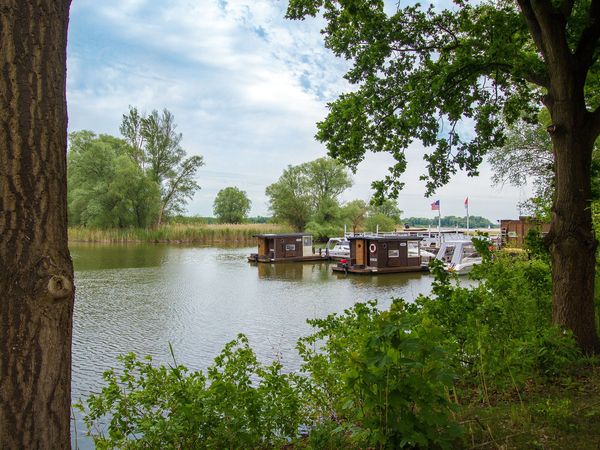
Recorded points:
284,247
383,254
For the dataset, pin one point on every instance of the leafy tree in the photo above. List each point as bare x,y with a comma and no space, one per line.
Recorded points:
381,222
355,212
388,208
106,188
308,192
36,279
156,148
427,74
289,198
231,205
526,159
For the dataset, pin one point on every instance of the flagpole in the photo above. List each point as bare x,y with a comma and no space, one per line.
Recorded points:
467,206
439,225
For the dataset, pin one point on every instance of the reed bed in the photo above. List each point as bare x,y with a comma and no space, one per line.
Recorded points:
178,233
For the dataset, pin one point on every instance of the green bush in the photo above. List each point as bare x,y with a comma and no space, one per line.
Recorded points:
381,376
500,332
238,404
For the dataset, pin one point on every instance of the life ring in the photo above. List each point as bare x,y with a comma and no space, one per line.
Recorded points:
372,248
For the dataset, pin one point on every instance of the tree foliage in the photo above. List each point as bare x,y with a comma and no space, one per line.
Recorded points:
355,212
231,205
426,74
155,146
106,188
526,159
308,192
452,79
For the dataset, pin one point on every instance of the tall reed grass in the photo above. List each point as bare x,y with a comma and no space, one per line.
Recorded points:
178,233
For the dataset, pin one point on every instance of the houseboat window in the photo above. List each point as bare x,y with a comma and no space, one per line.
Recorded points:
307,241
394,254
290,247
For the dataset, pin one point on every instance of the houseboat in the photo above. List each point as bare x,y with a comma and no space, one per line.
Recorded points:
290,247
371,254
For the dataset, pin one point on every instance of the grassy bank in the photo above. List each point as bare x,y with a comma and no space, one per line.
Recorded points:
560,414
177,233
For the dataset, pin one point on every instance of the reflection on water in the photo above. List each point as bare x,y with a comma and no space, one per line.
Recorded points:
140,298
103,256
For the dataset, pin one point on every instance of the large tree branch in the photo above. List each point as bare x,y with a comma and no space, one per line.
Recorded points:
532,24
588,42
536,78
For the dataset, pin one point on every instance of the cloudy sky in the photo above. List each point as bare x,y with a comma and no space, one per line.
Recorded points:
246,88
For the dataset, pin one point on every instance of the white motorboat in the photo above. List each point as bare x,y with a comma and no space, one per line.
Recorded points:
458,256
337,248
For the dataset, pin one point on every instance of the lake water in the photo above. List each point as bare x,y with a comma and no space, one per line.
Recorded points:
140,298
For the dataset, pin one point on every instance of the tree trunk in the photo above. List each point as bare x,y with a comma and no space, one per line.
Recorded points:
36,274
571,240
160,215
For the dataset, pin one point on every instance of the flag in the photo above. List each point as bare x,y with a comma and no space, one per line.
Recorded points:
435,206
467,203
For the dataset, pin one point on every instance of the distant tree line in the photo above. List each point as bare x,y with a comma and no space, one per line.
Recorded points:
450,221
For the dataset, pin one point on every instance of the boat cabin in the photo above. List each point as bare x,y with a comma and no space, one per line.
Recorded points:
284,247
383,254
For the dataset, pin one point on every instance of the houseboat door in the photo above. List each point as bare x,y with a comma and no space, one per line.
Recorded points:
403,254
263,247
360,252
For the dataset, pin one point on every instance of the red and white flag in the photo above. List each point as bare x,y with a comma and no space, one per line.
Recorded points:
435,206
467,202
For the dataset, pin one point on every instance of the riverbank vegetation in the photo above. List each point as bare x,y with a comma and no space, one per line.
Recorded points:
178,233
476,367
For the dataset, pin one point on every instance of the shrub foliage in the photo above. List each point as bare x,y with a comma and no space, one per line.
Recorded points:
370,378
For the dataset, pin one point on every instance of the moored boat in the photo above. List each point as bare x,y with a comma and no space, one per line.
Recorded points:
375,254
291,247
337,248
458,256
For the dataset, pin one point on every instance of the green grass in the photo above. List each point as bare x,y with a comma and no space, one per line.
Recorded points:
559,414
178,233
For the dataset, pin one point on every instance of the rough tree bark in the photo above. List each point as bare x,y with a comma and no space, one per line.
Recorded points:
571,239
36,274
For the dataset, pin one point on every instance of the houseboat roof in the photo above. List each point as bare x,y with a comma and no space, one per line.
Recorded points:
397,237
283,235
